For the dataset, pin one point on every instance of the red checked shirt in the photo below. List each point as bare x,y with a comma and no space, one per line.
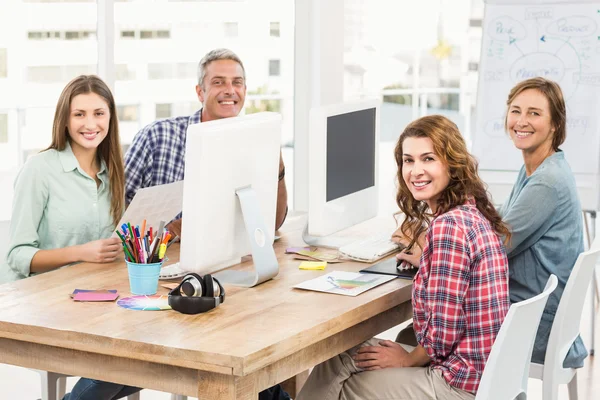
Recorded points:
460,294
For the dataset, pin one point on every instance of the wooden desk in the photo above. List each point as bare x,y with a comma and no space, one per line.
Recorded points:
257,338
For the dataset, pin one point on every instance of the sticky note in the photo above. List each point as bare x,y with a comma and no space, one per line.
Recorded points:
313,265
92,290
291,250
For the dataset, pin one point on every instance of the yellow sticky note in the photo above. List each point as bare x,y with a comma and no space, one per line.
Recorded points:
313,265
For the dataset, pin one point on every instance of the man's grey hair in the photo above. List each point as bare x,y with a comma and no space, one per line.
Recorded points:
215,55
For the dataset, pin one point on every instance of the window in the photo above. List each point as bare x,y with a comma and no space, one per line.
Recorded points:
274,67
73,35
124,72
274,29
160,71
53,73
158,34
54,35
163,110
71,71
475,23
231,29
3,63
59,1
186,70
3,128
127,34
127,113
44,74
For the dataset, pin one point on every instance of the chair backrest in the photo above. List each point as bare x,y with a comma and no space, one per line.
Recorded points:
507,368
565,327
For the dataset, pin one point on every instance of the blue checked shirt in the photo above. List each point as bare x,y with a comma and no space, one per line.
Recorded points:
157,154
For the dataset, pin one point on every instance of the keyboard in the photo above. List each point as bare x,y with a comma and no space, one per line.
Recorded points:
172,271
370,249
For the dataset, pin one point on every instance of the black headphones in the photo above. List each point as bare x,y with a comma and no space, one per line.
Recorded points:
200,294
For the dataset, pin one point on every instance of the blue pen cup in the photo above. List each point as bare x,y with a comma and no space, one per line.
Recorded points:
143,278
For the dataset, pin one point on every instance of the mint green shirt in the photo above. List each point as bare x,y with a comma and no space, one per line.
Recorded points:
55,205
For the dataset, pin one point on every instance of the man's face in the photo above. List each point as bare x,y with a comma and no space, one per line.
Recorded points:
223,91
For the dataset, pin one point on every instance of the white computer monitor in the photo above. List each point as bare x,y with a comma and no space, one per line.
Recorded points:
230,197
343,169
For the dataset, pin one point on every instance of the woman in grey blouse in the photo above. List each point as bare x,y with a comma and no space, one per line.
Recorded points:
543,210
69,197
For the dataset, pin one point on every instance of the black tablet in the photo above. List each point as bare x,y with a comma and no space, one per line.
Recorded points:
388,267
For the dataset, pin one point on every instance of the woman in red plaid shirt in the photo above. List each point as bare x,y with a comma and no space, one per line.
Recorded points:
460,293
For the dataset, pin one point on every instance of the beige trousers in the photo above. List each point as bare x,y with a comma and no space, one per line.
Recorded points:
339,379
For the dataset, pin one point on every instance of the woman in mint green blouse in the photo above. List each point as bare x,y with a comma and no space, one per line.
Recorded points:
68,199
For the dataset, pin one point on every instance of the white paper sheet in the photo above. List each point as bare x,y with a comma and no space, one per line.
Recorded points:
154,204
346,283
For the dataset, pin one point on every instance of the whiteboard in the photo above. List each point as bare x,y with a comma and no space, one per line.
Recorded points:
560,42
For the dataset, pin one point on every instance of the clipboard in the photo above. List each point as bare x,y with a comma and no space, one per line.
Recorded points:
388,267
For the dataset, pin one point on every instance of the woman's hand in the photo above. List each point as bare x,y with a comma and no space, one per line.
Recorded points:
388,355
412,257
101,251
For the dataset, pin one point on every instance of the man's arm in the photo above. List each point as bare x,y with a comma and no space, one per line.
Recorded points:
282,207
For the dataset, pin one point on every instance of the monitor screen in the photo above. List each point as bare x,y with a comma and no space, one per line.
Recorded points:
350,153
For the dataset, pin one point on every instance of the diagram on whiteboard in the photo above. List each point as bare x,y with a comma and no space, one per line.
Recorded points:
557,42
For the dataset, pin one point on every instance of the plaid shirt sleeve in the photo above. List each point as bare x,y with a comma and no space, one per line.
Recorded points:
138,163
447,254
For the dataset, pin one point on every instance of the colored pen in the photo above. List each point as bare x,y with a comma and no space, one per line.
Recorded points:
173,240
128,254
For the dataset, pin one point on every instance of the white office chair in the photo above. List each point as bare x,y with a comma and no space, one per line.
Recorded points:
565,329
54,386
507,368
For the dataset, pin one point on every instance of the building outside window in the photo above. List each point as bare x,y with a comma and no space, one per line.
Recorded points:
3,63
128,113
230,29
274,30
160,71
163,110
274,67
124,72
3,128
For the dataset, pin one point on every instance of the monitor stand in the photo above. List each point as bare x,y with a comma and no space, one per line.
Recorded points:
329,242
265,262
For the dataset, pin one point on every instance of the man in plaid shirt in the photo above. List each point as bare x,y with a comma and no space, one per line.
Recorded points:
157,154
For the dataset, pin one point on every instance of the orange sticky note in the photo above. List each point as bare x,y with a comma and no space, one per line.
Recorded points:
313,265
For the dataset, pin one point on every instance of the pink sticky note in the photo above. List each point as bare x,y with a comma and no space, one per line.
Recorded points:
95,296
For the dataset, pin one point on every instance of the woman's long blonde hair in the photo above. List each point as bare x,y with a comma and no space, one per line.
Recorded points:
110,148
465,183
